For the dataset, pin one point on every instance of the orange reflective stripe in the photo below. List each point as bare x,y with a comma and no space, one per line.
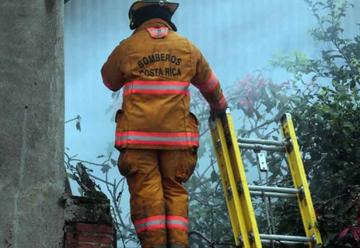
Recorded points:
156,87
150,223
208,86
177,222
153,138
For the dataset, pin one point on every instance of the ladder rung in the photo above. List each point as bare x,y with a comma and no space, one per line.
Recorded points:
274,189
261,142
272,194
262,147
275,237
270,242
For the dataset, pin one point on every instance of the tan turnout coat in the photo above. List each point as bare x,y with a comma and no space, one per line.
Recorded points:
155,67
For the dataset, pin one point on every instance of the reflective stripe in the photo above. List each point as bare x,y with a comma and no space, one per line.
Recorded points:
210,85
156,87
179,218
221,104
150,223
151,138
177,222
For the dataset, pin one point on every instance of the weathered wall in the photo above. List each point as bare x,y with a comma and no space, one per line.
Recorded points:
31,123
88,223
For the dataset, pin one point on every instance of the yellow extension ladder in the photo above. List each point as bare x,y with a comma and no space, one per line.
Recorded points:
238,193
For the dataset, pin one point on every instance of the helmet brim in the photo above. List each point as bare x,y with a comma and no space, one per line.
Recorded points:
138,5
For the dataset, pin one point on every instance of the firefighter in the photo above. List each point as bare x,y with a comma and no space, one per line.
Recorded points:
156,134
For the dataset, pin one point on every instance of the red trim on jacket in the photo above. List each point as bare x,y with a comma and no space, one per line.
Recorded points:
208,86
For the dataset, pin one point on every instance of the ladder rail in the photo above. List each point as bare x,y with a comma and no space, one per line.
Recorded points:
242,215
223,162
298,175
240,176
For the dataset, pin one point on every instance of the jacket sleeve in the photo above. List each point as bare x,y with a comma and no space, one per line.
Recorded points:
111,72
208,84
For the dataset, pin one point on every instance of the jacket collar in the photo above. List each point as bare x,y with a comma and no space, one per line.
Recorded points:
157,22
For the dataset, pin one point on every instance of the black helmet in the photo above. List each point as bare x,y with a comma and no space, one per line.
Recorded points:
138,4
143,10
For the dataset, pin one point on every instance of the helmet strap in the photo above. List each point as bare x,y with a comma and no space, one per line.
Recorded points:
151,12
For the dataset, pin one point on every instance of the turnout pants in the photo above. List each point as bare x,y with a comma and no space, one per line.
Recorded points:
158,199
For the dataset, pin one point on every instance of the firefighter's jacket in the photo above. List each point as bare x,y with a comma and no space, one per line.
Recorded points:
155,67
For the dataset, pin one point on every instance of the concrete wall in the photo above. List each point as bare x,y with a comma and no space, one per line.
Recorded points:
31,123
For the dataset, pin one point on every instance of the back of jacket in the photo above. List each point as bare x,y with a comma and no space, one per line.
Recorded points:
155,67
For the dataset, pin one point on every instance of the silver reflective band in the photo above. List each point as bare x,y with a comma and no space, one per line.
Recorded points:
147,138
155,87
150,223
177,222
